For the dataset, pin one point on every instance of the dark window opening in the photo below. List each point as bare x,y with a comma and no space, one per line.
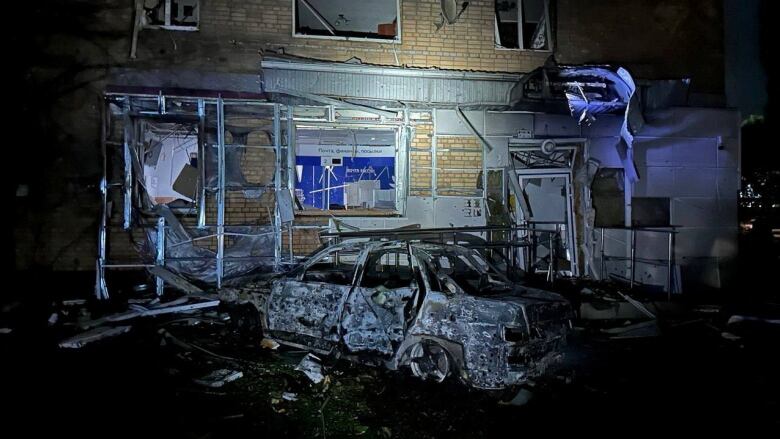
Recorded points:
523,24
172,14
368,19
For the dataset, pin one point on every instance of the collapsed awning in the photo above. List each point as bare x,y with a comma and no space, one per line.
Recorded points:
396,85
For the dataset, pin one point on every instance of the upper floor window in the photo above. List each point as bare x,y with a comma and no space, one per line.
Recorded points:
347,19
171,14
523,24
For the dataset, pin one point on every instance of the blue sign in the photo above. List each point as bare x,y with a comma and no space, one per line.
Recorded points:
313,178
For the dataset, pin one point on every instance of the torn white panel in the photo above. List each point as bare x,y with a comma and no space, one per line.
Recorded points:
168,159
459,212
498,156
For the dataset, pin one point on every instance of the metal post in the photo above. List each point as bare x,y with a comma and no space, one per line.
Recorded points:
551,264
160,261
101,291
535,238
434,164
633,257
291,174
277,187
603,262
670,266
220,191
202,140
128,183
290,242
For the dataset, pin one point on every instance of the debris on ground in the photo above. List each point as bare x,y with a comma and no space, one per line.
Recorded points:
175,280
154,308
310,365
191,346
80,340
267,343
219,378
522,398
289,396
647,328
707,309
740,319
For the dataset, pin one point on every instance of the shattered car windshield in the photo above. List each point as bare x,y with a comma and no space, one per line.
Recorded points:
466,268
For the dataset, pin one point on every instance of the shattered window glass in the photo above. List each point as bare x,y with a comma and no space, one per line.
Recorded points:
388,269
169,160
171,14
337,267
467,269
343,169
367,19
523,24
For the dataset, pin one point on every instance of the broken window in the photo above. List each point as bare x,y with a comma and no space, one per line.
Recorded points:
336,267
345,169
344,19
171,14
390,269
523,24
170,163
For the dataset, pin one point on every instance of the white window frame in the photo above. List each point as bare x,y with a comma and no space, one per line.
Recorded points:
169,26
396,40
520,42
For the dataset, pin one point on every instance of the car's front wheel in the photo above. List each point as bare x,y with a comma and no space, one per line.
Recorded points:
429,361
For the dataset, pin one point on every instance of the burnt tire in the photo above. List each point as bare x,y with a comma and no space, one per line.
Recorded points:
430,361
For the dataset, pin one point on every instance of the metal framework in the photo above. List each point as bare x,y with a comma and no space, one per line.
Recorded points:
633,261
520,237
139,106
130,106
125,111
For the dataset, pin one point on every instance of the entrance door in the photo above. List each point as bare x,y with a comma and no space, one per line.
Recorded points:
547,210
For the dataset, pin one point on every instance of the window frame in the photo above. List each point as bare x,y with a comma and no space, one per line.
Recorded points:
360,255
168,26
398,251
520,42
398,173
396,40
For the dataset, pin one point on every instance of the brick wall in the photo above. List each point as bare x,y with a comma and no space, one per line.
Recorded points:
468,44
74,44
420,161
459,163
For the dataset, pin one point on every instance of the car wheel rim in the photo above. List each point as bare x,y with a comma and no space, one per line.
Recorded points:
429,361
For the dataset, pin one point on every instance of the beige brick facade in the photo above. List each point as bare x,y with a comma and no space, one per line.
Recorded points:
235,34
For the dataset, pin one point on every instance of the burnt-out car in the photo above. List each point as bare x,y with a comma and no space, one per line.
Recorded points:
441,310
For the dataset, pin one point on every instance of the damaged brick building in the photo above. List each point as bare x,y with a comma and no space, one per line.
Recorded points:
449,99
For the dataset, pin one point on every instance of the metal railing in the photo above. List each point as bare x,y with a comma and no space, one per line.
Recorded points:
669,231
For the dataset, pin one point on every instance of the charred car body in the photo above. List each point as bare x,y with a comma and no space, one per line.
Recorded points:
442,310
